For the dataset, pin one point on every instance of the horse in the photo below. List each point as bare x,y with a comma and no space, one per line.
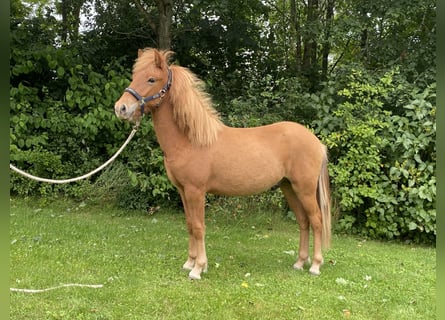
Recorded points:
203,155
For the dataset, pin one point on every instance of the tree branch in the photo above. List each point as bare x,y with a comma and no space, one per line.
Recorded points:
146,14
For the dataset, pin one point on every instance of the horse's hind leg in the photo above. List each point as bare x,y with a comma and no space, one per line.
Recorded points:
306,209
303,222
311,209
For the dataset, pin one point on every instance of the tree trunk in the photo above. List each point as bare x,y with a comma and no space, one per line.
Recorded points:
309,64
309,38
296,25
327,44
165,8
70,11
364,34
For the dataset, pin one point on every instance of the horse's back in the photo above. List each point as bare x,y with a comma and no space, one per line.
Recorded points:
251,160
279,137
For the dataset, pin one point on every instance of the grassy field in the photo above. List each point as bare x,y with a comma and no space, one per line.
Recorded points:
136,257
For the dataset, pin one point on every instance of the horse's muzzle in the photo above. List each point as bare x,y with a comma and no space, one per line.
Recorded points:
123,111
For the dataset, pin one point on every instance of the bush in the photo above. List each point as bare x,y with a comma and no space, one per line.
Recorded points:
144,161
408,200
64,128
382,165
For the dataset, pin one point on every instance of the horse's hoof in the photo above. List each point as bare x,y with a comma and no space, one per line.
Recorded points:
188,266
187,269
314,272
300,264
194,276
298,267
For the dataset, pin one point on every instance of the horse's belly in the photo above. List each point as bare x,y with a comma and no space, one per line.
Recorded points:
244,174
241,188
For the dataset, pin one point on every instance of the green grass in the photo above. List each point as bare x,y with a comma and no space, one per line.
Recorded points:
137,257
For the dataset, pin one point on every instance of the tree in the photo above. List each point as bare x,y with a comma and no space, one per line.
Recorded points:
221,42
378,34
159,19
70,11
302,30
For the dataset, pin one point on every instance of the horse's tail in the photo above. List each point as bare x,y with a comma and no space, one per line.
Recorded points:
324,200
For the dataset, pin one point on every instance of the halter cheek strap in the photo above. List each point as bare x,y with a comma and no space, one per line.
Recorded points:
143,100
138,97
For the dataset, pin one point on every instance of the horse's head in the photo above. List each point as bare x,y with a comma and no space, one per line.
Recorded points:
150,82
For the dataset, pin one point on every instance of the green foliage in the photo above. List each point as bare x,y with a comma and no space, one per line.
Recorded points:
63,125
382,165
356,142
62,118
71,136
261,98
380,34
149,185
235,208
409,195
123,186
270,100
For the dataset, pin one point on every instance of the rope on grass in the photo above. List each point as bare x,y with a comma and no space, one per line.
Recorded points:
95,286
30,176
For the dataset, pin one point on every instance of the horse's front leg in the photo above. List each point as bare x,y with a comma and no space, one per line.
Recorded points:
192,252
194,201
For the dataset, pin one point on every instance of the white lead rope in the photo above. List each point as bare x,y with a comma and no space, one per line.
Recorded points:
67,181
95,286
30,176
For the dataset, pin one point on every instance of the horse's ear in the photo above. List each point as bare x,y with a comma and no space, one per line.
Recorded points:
159,60
140,51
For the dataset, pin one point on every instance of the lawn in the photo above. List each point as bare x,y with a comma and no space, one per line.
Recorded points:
136,258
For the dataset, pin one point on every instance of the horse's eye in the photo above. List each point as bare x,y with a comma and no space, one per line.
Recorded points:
151,80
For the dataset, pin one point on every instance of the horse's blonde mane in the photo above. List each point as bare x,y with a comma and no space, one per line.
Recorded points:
192,106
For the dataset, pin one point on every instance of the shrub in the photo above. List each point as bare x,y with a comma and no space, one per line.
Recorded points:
407,201
382,165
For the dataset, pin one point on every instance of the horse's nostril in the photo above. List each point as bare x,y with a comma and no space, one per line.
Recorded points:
123,108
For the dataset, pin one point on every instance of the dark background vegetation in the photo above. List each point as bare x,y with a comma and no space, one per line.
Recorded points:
360,74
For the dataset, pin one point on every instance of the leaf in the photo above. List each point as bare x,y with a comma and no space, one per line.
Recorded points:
60,71
411,106
417,158
412,226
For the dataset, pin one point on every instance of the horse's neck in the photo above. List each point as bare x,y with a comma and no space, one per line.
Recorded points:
169,136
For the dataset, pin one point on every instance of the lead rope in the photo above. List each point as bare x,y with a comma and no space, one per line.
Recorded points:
135,128
30,176
94,286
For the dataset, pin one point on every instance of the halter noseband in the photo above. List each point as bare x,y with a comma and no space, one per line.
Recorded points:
143,100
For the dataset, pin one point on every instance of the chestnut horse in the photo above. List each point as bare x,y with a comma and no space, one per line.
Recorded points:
202,155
